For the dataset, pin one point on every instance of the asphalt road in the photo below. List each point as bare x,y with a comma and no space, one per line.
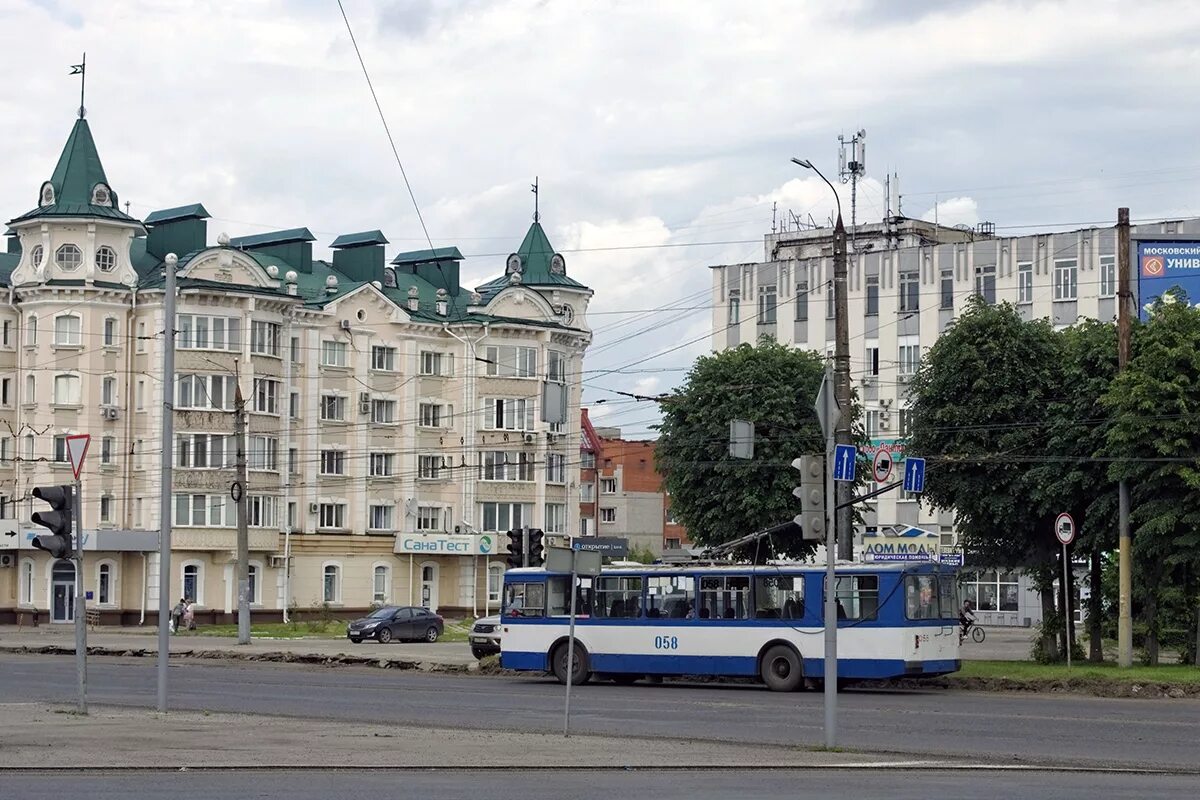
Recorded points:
603,785
1024,728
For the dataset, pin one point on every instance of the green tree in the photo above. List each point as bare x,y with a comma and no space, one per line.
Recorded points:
718,498
1156,404
979,400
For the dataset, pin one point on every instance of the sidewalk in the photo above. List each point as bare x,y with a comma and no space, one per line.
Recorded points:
144,642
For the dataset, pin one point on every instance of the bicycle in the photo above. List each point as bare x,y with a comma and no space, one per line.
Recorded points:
976,633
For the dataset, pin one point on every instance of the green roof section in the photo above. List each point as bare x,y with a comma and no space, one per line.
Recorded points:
193,211
75,176
8,262
274,237
425,256
358,239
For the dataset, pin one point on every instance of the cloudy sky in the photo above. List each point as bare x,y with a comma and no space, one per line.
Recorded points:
661,131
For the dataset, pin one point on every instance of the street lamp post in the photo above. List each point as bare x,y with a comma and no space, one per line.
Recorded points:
843,524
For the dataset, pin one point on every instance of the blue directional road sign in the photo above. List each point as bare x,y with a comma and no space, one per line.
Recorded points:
844,458
914,474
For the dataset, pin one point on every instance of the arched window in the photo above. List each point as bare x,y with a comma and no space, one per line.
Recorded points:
105,586
193,584
389,278
36,255
66,390
495,582
106,259
381,586
68,257
332,583
29,440
31,331
26,583
30,389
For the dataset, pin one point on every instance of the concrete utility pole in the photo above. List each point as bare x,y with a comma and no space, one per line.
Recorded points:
841,379
165,495
243,533
1125,309
80,602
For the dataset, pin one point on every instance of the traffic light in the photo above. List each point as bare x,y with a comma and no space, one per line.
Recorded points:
811,493
58,520
537,548
516,548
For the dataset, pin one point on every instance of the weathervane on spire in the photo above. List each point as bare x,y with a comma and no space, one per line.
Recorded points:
81,71
536,215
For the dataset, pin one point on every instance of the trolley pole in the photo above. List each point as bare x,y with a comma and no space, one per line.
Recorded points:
1125,309
165,498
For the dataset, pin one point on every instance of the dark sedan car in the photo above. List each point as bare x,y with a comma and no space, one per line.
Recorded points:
397,622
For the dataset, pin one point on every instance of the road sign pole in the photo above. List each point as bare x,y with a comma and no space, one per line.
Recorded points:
80,603
1067,602
166,503
831,515
570,649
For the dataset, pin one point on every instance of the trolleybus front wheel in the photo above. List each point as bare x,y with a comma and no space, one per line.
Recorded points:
580,674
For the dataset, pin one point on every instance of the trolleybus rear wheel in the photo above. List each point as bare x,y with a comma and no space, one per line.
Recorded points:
781,669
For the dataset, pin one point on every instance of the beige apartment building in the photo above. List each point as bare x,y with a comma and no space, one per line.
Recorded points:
397,422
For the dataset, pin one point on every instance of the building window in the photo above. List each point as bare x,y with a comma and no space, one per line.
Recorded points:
509,414
910,291
203,392
31,327
295,349
556,518
1024,282
253,584
1108,277
7,339
608,486
264,338
872,295
556,468
672,543
108,391
110,331
947,288
30,389
332,515
495,517
205,511
872,423
106,508
29,447
1066,278
383,358
5,452
556,366
333,462
333,408
429,468
107,445
6,392
68,330
331,583
106,258
587,492
334,354
985,282
608,515
830,302
68,257
205,450
438,364
431,518
587,460
192,585
200,332
380,586
35,256
499,465
767,299
910,355
903,421
510,361
381,518
294,405
735,307
381,464
141,337
495,582
872,358
266,396
264,452
27,583
66,390
434,415
992,590
383,412
293,460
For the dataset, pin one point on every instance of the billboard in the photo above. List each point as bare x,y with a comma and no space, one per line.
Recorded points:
1166,264
905,543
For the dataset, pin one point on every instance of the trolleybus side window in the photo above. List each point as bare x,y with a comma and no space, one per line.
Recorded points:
921,597
725,597
779,597
857,597
618,597
525,599
948,593
559,601
671,596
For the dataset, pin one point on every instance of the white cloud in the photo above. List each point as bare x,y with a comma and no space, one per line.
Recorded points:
955,211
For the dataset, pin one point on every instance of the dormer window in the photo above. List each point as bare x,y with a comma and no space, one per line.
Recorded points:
513,266
47,198
35,256
68,257
558,265
389,278
106,259
101,195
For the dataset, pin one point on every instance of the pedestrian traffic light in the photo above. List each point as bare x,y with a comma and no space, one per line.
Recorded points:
811,493
516,548
58,520
537,548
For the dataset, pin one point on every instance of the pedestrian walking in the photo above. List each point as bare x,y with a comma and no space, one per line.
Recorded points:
189,615
177,614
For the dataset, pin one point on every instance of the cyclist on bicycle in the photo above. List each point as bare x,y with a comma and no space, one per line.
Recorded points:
966,617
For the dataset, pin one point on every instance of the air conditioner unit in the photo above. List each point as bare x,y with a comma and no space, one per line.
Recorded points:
345,324
111,412
364,407
884,425
7,559
277,562
312,508
530,438
364,397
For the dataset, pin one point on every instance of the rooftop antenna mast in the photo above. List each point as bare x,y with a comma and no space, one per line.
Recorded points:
850,170
774,217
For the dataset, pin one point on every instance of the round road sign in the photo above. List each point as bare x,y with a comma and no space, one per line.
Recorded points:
881,467
1064,528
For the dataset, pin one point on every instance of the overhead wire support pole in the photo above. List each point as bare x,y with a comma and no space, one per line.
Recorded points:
831,665
80,603
1125,309
165,494
243,533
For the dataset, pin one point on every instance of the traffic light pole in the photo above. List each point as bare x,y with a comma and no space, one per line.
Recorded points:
80,604
831,669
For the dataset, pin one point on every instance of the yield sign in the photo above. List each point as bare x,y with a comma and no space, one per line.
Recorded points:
77,447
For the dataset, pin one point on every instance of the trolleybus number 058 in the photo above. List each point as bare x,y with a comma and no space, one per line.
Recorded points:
666,642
